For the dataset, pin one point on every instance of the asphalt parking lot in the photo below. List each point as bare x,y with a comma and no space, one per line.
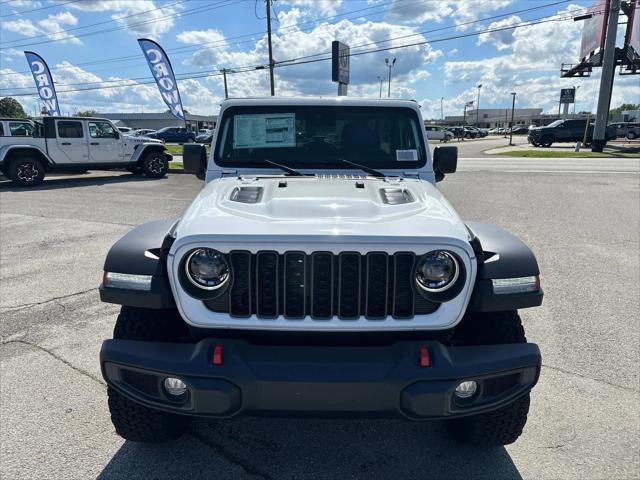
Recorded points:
582,219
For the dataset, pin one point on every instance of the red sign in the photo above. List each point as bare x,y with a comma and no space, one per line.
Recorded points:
594,29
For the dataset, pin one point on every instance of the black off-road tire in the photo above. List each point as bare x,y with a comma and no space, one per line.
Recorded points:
155,164
499,427
131,420
504,425
546,140
26,171
138,423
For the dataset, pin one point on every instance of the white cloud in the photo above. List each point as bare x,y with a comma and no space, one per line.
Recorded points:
315,78
139,17
51,27
501,39
462,11
314,7
21,26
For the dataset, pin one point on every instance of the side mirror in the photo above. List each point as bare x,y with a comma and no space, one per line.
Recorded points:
116,135
445,160
194,159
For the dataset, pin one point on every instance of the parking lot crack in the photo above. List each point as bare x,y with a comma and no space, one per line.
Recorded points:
586,377
230,456
13,308
57,357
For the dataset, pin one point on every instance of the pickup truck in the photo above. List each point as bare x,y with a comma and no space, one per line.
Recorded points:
61,144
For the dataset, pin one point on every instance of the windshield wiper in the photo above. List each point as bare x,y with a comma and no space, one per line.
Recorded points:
290,171
369,170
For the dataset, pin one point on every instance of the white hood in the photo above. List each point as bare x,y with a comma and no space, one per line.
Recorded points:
324,206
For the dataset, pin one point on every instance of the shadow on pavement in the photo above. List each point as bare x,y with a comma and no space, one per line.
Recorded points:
80,180
272,448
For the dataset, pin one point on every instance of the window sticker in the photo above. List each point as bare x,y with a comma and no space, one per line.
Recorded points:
406,155
273,130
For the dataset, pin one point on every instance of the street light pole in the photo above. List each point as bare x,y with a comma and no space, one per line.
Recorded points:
390,65
513,108
575,96
478,105
380,80
441,111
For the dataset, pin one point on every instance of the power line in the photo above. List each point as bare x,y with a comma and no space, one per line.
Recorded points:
38,9
293,62
189,48
123,27
194,47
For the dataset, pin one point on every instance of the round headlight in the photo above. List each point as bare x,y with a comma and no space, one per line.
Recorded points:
437,271
207,268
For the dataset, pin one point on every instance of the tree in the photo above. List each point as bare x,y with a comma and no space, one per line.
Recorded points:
624,107
86,113
11,108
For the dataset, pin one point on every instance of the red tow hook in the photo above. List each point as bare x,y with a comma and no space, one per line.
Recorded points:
217,354
425,362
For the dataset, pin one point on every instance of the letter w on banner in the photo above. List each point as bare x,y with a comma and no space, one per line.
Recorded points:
44,82
163,73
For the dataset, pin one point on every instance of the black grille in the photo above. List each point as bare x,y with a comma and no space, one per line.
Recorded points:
322,285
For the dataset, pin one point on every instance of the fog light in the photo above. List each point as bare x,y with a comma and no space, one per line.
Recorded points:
175,386
466,389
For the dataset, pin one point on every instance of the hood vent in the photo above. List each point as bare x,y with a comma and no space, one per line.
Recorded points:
396,196
246,194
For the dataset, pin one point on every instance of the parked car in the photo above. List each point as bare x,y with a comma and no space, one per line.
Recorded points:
565,131
76,144
174,135
633,131
520,130
353,288
622,128
206,137
438,133
141,132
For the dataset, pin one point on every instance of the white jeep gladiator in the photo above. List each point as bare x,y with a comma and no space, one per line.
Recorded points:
69,144
320,272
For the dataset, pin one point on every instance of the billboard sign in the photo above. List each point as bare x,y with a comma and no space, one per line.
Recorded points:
594,29
340,62
44,83
633,30
567,95
163,73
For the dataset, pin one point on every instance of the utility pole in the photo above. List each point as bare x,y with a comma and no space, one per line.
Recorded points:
224,72
441,111
513,108
505,122
606,79
478,105
380,80
273,91
390,65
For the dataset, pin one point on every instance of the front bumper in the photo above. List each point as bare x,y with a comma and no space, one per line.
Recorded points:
320,380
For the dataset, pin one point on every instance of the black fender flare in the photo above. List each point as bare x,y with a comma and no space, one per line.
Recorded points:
501,255
142,251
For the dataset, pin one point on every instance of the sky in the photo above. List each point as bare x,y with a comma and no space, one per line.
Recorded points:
439,47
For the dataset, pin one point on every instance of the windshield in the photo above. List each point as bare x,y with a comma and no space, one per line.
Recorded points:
556,123
319,136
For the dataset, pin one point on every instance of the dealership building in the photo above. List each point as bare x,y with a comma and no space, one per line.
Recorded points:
501,117
157,121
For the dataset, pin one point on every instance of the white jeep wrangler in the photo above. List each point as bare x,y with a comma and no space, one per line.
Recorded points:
320,272
28,150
